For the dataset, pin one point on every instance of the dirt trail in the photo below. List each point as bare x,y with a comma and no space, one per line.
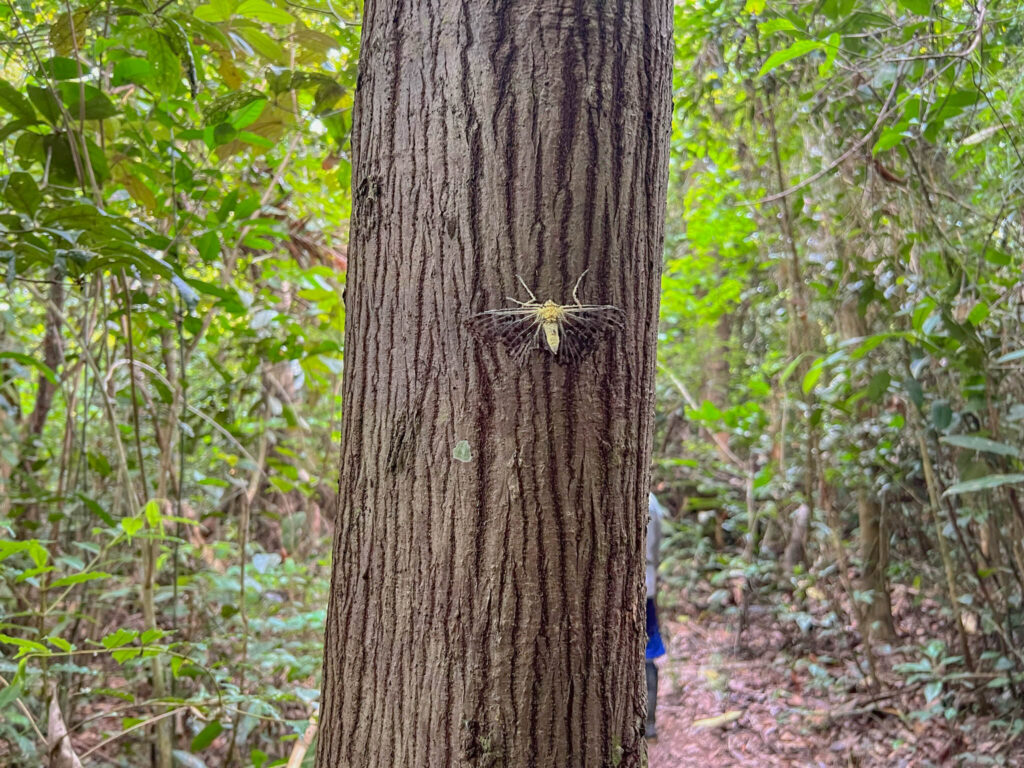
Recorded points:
761,707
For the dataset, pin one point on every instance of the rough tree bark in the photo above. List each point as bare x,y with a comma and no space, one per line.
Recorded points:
486,603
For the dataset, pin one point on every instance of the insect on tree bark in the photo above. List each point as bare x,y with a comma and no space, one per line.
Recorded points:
487,604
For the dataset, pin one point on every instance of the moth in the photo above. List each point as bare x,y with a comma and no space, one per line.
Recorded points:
568,332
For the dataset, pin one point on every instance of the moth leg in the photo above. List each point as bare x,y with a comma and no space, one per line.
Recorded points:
533,299
576,288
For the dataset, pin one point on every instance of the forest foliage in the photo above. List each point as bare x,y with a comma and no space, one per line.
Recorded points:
840,413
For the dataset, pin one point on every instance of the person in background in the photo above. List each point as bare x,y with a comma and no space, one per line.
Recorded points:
655,646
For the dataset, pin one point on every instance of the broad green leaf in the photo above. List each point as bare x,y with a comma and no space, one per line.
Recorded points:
205,737
776,25
79,578
984,484
790,368
974,443
795,51
317,43
39,365
12,102
942,415
60,642
22,193
920,7
44,101
126,654
131,70
152,513
86,102
215,11
61,68
151,636
25,646
978,314
889,138
248,114
813,375
264,45
261,10
118,638
878,385
31,547
132,525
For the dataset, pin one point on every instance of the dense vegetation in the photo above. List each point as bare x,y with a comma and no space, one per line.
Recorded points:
841,407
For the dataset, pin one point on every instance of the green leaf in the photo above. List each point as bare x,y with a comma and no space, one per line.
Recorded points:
60,642
40,366
261,10
248,114
942,415
974,443
878,385
80,578
890,138
812,375
25,646
215,11
264,45
86,102
914,391
983,484
932,691
45,102
789,369
131,70
22,193
776,25
151,636
206,736
152,513
132,525
15,104
795,51
119,638
60,68
920,7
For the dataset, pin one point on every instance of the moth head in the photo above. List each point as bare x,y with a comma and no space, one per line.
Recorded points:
550,312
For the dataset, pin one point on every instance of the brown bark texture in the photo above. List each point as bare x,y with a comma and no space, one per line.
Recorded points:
487,603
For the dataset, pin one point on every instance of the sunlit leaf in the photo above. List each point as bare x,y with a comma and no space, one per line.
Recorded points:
983,484
794,51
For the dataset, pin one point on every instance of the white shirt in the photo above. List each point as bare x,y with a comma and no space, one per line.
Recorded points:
655,513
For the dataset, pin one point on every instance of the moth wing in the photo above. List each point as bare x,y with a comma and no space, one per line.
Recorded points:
514,328
582,329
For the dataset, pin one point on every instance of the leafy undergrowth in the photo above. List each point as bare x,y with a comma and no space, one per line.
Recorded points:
784,697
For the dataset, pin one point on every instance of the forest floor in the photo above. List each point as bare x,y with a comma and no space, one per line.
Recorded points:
765,702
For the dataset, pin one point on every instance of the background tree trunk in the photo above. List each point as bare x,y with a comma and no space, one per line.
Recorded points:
486,606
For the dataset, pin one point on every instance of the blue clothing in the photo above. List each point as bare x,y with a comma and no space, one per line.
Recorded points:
655,646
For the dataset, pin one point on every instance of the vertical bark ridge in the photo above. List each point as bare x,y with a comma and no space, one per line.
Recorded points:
487,613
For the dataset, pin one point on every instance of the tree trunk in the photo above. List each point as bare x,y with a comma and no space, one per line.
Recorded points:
487,595
874,555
